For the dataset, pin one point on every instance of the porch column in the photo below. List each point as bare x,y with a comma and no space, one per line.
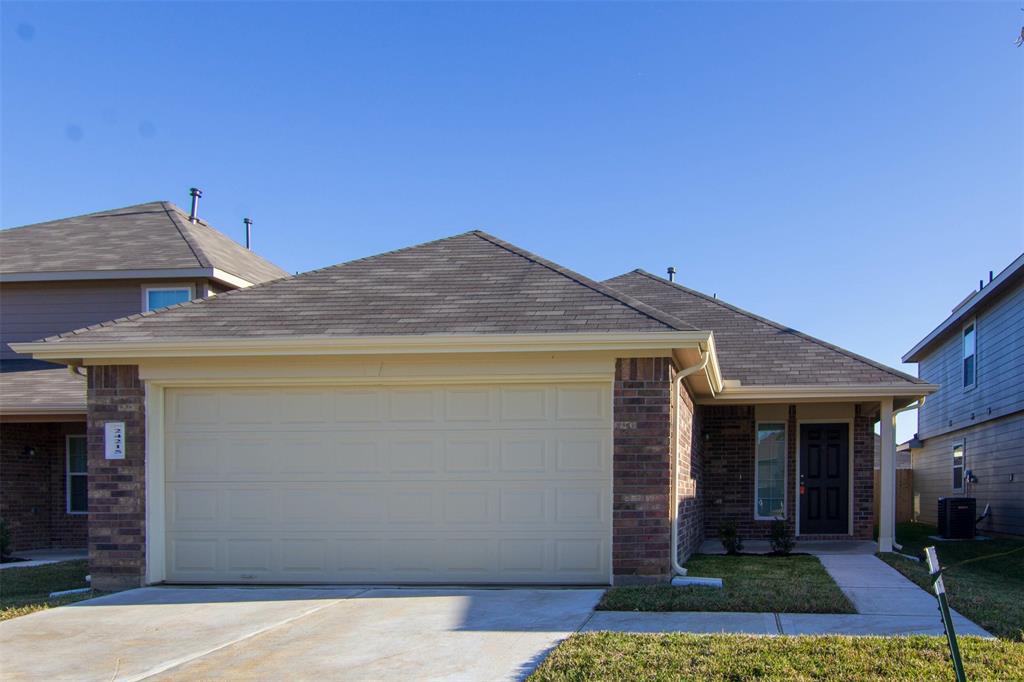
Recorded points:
887,479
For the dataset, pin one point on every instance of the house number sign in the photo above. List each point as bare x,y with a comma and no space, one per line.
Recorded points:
113,440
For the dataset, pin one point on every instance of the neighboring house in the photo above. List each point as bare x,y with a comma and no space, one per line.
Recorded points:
975,421
63,275
464,411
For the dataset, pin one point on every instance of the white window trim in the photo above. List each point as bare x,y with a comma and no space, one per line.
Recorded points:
785,468
172,287
973,322
68,474
962,444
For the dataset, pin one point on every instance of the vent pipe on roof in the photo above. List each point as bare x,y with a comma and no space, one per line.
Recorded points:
196,193
671,274
248,232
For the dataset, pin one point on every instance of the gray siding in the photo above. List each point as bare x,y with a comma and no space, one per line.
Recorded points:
33,310
1000,375
994,452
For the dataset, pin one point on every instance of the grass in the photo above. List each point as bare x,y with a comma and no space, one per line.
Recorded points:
990,592
617,656
26,590
759,583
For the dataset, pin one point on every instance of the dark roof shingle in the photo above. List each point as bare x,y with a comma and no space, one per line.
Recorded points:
153,236
471,283
755,350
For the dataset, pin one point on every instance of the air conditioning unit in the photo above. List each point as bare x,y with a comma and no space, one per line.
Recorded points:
957,516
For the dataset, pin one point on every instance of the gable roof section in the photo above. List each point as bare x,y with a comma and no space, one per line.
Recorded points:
153,236
470,283
755,350
985,296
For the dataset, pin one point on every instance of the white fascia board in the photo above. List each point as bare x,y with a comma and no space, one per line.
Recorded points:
158,273
758,394
73,352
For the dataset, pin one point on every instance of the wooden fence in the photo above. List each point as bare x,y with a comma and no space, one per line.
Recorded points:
904,494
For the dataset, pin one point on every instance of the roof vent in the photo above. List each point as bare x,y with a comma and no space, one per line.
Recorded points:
196,194
248,232
671,274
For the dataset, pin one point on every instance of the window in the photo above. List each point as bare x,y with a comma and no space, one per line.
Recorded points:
770,471
161,298
958,468
970,363
78,496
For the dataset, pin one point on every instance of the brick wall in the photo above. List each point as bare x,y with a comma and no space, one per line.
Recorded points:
729,471
641,538
863,474
33,488
117,490
689,474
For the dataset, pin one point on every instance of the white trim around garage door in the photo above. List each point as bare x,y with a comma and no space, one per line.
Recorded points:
155,391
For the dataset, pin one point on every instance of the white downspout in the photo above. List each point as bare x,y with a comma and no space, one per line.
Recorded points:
912,406
674,516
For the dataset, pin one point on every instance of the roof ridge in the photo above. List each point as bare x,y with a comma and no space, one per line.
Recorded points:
779,326
629,301
172,214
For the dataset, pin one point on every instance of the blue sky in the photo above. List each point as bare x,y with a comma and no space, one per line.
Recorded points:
850,169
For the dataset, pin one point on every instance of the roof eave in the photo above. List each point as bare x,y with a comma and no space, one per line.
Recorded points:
965,311
153,273
819,393
72,352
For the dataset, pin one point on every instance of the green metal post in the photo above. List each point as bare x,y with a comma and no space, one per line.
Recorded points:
947,619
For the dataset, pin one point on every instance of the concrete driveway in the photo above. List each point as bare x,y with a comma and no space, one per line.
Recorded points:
167,633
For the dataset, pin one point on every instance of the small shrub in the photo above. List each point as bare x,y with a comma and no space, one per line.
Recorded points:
782,541
730,538
5,539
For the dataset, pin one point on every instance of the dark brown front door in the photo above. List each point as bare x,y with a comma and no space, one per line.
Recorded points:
824,478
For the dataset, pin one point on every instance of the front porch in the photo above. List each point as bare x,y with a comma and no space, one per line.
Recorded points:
810,465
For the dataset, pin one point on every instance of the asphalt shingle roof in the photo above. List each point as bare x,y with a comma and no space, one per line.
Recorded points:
153,236
755,350
32,385
471,283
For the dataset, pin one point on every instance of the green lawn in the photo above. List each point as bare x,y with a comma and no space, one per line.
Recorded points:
786,584
990,592
24,590
616,656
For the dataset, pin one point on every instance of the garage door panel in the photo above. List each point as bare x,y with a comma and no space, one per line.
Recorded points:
422,484
399,558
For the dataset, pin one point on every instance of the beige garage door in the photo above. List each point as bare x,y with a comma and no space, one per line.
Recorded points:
448,484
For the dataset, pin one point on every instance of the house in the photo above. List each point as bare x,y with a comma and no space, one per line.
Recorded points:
72,273
975,421
464,411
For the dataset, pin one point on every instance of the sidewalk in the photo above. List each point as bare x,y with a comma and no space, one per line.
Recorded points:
41,557
887,604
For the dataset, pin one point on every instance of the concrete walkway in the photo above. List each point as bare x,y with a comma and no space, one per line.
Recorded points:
887,604
41,557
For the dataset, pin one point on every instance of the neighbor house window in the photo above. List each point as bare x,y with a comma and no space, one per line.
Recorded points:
958,468
78,496
770,471
970,346
161,298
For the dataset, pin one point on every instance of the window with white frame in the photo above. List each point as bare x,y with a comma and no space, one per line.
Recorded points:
958,467
77,475
770,471
970,355
157,297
